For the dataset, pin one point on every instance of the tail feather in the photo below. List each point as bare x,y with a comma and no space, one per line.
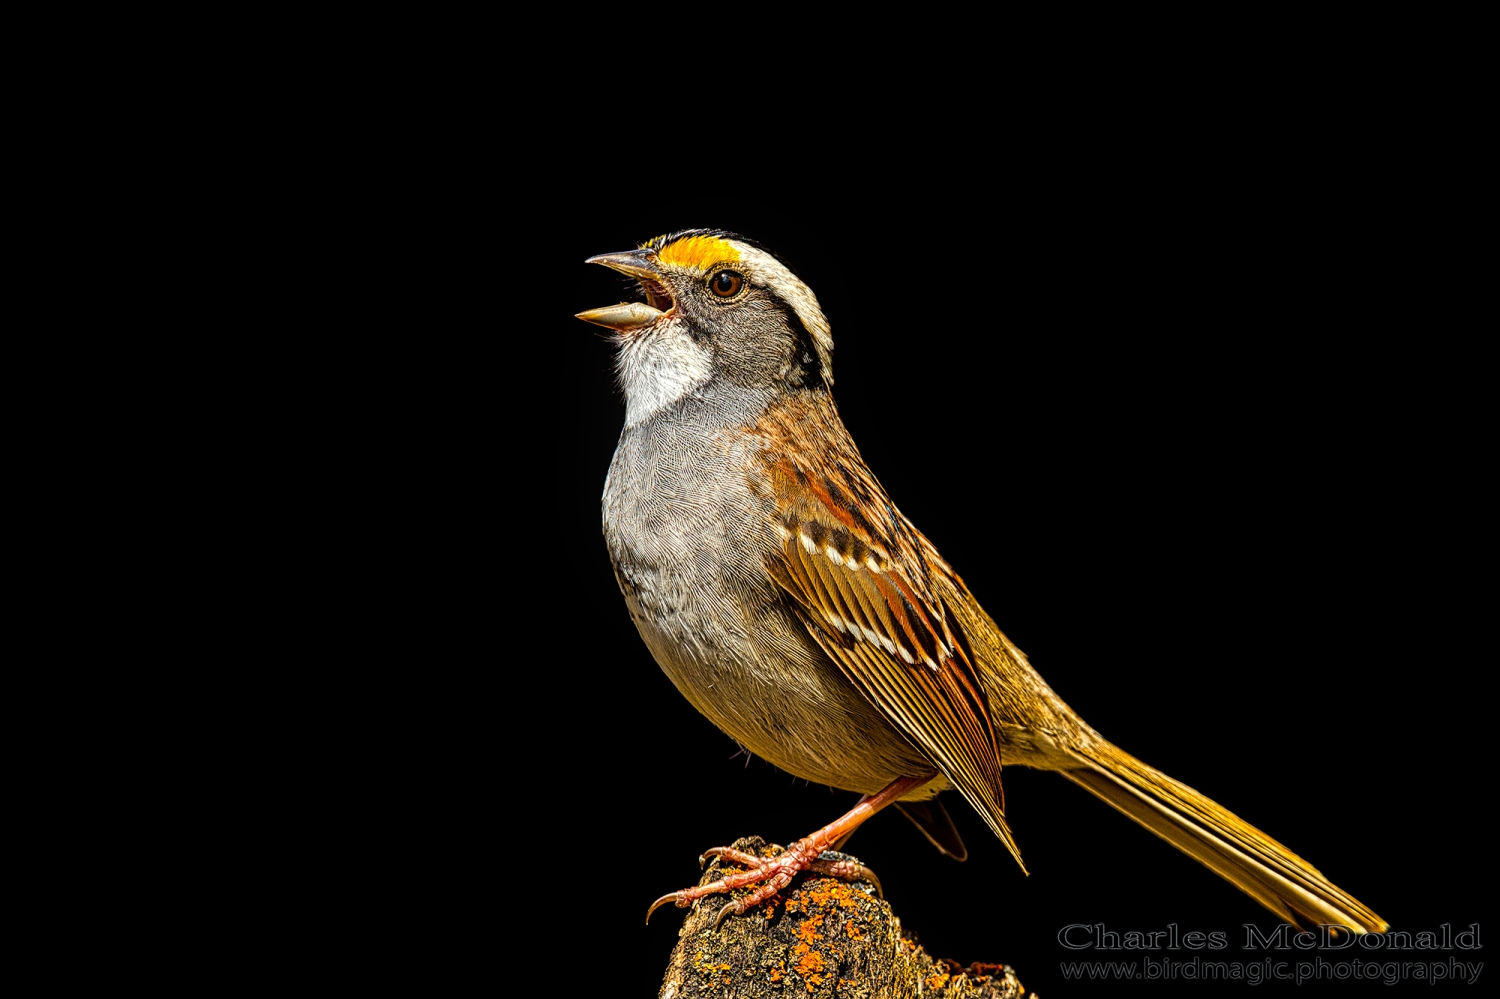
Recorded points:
936,824
1220,840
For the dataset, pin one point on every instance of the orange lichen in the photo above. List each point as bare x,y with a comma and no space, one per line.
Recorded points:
808,930
836,892
938,981
708,970
809,961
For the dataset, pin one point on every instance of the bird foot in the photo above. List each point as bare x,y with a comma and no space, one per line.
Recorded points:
811,853
769,874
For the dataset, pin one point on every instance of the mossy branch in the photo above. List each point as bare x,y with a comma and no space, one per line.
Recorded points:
818,938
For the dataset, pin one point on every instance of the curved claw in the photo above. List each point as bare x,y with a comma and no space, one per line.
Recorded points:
675,896
770,874
733,907
846,870
711,852
728,853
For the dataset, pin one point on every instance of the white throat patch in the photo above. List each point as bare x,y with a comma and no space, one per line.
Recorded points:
658,366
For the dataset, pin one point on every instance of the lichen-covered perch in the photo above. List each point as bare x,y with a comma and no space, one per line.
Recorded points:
820,938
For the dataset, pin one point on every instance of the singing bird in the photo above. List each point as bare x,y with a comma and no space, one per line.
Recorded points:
787,598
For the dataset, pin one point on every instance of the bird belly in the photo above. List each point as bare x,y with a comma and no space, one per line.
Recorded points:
780,697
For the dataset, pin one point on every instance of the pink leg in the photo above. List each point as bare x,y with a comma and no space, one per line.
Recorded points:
775,873
839,843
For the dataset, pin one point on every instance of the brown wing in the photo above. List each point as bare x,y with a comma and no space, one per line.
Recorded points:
860,576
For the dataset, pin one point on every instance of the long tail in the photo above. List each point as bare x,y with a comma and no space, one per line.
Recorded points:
1220,840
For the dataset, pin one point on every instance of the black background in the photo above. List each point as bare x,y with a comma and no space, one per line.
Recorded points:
1186,380
1184,423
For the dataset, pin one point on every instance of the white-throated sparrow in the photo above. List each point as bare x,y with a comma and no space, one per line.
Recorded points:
795,607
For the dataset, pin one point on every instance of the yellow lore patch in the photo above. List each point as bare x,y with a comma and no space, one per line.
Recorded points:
699,252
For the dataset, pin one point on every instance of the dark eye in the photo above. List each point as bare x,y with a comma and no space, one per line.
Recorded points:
727,284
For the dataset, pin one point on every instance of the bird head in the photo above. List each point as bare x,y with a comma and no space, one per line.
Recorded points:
716,306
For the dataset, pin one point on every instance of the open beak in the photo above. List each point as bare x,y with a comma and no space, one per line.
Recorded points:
628,316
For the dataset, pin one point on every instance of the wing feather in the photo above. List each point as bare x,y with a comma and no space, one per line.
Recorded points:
865,591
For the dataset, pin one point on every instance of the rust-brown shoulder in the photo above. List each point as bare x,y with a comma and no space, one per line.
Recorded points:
862,578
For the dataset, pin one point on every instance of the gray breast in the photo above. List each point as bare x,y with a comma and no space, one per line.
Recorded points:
689,529
687,533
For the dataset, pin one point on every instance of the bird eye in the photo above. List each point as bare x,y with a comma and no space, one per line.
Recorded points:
727,284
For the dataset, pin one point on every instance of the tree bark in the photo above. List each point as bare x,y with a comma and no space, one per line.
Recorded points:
819,938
